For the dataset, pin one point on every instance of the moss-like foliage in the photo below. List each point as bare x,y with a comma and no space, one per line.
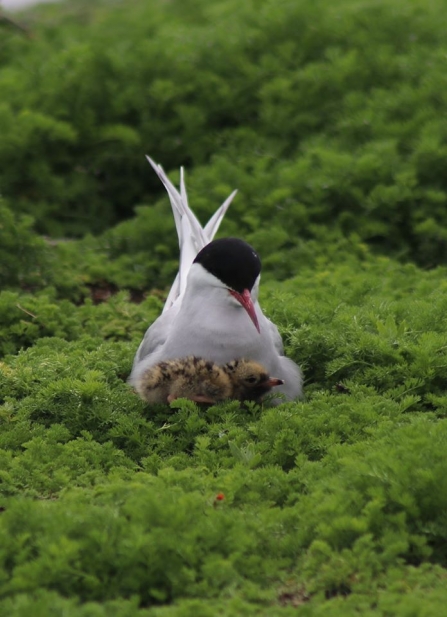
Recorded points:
329,118
334,503
316,112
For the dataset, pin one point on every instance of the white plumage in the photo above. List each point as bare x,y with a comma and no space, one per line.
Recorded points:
203,316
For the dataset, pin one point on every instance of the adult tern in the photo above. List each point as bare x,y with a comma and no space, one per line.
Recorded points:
212,309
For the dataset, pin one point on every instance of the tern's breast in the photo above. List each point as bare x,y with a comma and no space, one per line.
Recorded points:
220,336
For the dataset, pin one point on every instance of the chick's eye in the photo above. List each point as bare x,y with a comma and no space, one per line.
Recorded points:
251,380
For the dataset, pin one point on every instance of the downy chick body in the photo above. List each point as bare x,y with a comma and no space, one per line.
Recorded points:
204,381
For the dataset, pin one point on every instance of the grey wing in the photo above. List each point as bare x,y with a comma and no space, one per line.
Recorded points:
276,337
156,335
287,369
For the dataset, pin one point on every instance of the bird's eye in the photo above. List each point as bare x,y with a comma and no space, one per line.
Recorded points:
251,380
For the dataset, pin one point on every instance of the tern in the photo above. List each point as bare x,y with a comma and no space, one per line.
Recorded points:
212,310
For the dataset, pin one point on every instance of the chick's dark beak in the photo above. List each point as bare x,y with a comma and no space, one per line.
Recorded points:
274,381
245,299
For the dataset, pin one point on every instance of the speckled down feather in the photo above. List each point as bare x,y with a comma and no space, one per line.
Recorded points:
204,381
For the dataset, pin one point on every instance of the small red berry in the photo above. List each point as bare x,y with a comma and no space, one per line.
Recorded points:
220,497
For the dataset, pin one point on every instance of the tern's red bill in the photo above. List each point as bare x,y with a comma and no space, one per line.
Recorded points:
245,299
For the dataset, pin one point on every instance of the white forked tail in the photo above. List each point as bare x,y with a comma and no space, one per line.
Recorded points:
192,237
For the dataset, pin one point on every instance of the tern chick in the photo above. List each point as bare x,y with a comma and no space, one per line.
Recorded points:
204,381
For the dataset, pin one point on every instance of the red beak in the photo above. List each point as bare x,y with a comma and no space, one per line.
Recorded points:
245,299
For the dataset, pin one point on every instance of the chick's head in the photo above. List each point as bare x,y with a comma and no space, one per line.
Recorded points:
250,379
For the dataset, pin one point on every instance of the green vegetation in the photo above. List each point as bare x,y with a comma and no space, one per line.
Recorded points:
316,112
329,119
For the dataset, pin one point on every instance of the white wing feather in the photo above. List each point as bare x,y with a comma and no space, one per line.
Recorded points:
214,223
192,237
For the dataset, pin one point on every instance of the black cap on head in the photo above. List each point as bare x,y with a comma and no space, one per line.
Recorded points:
232,261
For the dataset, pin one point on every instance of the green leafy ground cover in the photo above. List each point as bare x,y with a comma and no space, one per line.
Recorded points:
328,118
